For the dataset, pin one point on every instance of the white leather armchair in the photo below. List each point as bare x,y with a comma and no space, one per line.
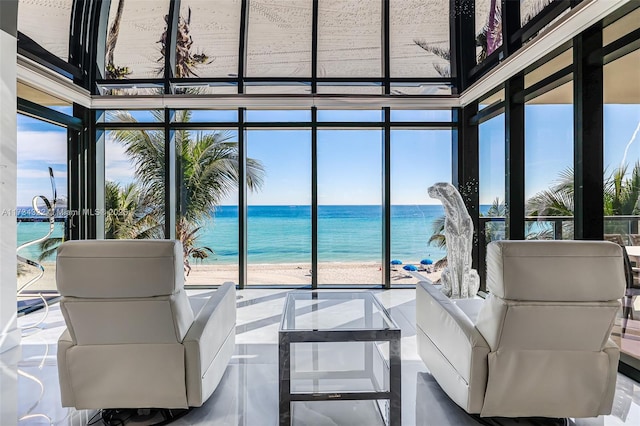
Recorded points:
539,345
132,339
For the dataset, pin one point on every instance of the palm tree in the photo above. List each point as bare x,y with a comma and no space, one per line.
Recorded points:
112,70
621,195
443,71
209,173
186,61
495,230
129,215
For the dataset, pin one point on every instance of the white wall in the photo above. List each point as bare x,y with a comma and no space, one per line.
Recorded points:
9,333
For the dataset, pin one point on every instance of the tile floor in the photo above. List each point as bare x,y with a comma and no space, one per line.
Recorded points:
248,392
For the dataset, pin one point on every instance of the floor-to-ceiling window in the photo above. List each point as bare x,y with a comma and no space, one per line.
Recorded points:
350,206
491,150
279,209
622,172
134,175
42,187
419,159
549,141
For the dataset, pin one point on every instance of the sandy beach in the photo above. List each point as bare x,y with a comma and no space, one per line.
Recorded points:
349,273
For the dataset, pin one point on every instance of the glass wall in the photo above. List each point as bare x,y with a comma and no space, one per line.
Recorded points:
47,23
529,9
134,170
349,206
419,159
491,147
622,188
488,28
41,180
135,39
549,164
279,207
207,219
278,146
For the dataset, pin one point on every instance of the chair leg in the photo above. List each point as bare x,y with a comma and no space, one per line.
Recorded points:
627,312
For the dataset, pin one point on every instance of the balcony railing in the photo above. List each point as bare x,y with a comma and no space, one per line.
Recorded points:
545,227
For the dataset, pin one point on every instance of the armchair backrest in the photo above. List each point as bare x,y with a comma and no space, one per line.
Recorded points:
551,295
123,291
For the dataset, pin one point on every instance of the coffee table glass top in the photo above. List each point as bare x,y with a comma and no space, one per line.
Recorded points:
336,310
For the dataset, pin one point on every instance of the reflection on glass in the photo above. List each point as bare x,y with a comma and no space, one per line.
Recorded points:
277,88
622,172
40,145
47,23
419,38
350,115
349,211
314,310
124,116
349,89
420,88
134,47
279,38
488,27
277,116
134,184
492,164
421,115
621,27
491,147
414,215
207,222
208,115
491,99
556,64
549,164
350,38
208,38
279,210
529,9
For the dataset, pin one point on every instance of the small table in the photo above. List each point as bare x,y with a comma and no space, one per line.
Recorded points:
634,253
343,347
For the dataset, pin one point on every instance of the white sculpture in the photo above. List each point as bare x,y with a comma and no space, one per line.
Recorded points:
458,279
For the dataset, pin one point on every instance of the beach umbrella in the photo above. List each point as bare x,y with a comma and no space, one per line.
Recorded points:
396,262
426,262
410,267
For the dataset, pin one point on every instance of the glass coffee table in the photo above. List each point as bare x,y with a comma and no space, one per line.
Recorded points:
339,359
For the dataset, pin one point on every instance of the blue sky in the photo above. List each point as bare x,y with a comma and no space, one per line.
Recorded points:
350,161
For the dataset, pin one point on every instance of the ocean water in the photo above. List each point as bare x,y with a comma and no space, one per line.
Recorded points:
282,234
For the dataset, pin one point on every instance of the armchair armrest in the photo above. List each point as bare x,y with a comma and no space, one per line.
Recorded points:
209,344
450,330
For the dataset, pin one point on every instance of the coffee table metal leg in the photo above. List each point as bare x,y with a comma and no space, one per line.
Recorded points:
395,374
284,371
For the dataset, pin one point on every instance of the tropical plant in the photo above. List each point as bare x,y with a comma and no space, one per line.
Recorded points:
533,9
209,172
113,71
495,230
443,70
621,193
129,215
186,61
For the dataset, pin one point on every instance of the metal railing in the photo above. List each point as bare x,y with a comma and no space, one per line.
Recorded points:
550,227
